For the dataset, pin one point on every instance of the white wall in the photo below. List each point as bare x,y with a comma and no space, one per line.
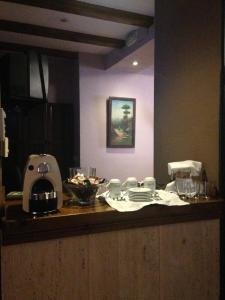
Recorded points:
95,88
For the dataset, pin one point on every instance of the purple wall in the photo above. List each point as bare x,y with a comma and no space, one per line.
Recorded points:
96,86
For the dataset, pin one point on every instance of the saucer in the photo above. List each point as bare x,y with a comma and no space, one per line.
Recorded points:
139,194
139,190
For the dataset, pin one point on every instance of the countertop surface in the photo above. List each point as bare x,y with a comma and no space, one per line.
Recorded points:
19,227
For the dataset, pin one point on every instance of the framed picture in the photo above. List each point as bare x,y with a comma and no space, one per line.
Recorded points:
121,122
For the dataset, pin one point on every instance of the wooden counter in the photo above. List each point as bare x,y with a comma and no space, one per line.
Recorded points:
19,227
97,253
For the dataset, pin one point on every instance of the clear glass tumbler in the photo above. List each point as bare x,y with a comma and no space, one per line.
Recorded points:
183,184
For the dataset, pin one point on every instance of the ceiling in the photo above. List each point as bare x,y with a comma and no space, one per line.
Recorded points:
114,29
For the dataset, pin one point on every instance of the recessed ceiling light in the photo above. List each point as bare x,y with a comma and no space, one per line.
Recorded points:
135,63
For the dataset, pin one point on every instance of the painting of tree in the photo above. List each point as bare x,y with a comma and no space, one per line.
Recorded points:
121,122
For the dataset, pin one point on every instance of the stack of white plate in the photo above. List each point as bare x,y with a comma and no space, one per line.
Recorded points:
140,194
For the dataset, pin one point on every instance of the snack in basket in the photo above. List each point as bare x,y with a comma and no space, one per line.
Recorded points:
84,188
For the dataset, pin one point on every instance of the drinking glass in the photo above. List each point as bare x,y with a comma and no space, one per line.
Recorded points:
205,190
72,172
91,172
190,189
183,184
181,187
196,184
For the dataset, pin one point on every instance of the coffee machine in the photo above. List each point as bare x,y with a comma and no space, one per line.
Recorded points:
42,186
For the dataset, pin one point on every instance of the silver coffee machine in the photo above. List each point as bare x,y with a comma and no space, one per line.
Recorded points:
42,186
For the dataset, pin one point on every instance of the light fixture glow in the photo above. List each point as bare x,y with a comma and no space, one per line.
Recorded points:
135,63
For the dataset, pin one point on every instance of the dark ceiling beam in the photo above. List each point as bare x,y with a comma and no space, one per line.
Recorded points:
14,47
61,34
91,10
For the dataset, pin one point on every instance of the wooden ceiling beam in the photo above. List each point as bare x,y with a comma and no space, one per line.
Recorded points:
91,10
12,47
61,34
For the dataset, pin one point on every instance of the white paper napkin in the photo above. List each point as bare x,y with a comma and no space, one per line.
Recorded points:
162,197
187,165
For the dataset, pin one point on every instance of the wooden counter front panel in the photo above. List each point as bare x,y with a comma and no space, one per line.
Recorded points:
179,261
189,261
124,264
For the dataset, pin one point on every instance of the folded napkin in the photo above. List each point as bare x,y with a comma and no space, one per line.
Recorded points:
187,165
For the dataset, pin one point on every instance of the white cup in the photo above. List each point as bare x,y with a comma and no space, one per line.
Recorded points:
114,187
149,182
130,183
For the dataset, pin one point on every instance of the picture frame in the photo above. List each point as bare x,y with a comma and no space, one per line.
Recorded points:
121,119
